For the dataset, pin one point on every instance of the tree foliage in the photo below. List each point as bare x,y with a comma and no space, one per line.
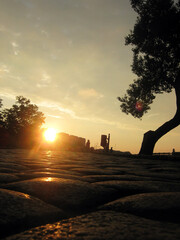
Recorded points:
22,121
22,115
0,112
1,103
156,53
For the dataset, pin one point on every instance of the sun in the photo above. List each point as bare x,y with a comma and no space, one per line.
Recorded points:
50,134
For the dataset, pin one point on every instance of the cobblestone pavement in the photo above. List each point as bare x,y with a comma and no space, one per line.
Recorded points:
72,195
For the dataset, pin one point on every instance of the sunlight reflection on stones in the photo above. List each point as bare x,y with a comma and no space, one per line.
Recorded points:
49,153
27,196
49,179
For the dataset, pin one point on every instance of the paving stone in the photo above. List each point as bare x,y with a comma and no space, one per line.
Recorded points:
65,166
6,178
65,193
104,225
13,166
160,175
7,170
132,187
19,211
102,178
81,183
53,170
93,171
164,206
31,175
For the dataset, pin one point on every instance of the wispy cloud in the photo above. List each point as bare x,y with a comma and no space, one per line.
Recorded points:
89,93
7,95
4,68
9,31
45,80
119,125
53,116
74,115
55,106
15,47
45,33
50,105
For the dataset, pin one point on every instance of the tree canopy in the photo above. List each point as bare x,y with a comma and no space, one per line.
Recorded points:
22,121
155,41
156,53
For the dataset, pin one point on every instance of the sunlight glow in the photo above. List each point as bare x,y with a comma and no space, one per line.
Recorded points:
50,134
49,179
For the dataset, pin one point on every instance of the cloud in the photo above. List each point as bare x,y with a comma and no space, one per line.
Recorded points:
9,31
15,47
122,126
4,68
89,93
45,33
7,95
14,44
55,106
66,111
53,116
45,80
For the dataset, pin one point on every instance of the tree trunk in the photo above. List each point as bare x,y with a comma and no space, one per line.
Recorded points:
151,137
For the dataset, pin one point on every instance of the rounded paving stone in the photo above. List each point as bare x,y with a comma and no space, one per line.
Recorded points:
12,166
103,225
93,171
7,170
7,177
101,178
28,175
21,211
65,193
133,187
164,206
116,176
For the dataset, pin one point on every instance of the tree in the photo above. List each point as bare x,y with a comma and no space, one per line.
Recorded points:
0,112
22,121
156,62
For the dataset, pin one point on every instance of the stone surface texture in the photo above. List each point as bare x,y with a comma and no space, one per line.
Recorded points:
88,196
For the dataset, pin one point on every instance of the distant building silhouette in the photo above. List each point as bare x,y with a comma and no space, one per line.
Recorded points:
105,142
65,141
70,142
88,145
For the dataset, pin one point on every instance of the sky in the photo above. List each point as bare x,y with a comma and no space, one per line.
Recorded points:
69,58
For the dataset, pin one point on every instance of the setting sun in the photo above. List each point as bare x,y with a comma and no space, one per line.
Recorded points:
50,134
